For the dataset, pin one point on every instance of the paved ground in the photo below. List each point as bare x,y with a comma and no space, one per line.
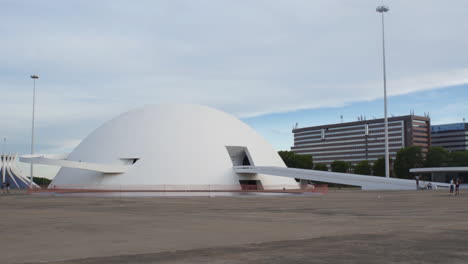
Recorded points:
341,227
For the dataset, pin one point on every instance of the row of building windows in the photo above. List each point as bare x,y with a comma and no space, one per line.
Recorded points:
354,159
313,147
348,127
346,141
363,150
452,134
375,138
348,155
320,132
450,143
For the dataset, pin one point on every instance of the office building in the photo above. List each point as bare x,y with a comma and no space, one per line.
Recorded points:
452,137
361,140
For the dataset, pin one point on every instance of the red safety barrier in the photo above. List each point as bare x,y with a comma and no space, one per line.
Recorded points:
63,189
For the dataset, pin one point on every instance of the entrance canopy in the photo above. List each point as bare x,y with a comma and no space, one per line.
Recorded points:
444,174
439,169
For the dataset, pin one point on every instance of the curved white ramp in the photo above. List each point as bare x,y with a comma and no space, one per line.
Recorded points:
60,160
365,182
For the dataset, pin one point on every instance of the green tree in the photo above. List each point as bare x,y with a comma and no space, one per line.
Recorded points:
437,157
379,167
293,160
458,158
41,181
407,158
340,166
363,168
320,167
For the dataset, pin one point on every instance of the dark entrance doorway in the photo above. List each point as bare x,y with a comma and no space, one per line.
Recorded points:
251,184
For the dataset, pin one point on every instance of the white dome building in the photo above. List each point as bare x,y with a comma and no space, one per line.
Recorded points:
171,147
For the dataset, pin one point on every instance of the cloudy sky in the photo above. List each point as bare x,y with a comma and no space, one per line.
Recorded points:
271,62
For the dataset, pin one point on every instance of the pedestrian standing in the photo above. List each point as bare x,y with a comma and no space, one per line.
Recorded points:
457,187
451,186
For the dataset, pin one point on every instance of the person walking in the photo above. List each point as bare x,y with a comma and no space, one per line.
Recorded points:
8,187
451,186
457,187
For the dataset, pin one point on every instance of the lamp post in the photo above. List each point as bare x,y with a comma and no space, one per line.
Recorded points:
3,159
382,10
34,77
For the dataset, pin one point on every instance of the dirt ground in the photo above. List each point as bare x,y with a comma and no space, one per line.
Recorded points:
340,227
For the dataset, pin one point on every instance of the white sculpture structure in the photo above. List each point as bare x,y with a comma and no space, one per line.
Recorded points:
9,173
186,147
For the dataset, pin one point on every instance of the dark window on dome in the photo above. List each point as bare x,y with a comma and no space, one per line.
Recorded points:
246,161
129,161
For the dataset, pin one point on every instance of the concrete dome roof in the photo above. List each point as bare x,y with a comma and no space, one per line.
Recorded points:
172,145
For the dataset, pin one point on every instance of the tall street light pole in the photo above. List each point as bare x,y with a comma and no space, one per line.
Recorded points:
3,159
34,77
382,10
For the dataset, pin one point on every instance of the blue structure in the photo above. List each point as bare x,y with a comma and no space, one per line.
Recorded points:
10,175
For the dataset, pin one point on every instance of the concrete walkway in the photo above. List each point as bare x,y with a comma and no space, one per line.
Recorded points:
341,227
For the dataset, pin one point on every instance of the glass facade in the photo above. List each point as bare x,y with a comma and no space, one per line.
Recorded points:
448,127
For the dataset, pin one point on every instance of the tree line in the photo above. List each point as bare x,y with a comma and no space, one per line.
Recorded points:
293,160
406,159
413,157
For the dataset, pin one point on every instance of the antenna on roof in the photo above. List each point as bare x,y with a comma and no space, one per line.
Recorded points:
341,117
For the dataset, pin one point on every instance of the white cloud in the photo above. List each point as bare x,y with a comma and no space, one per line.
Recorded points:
450,113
